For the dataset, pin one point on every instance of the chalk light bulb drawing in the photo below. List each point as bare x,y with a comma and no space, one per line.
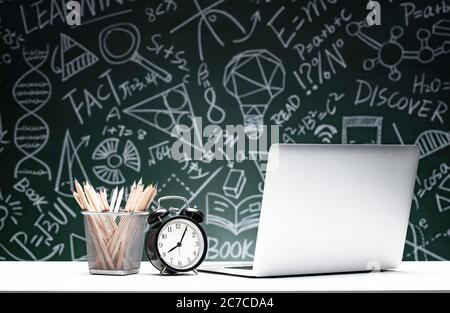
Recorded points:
254,78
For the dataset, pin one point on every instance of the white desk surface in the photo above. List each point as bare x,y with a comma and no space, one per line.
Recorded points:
74,276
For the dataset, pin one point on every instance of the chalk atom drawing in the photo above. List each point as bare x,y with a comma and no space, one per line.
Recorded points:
115,158
31,92
254,78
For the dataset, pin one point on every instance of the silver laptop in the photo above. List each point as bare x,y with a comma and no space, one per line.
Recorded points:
331,208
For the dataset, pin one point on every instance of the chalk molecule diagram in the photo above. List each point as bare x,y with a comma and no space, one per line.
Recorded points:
391,53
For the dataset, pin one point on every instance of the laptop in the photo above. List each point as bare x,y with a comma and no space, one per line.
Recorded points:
331,209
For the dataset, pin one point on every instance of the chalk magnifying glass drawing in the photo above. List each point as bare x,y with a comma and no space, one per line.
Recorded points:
119,43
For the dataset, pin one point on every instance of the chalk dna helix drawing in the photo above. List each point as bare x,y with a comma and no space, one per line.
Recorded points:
254,78
31,133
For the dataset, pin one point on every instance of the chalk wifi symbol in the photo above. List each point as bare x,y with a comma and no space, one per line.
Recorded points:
325,132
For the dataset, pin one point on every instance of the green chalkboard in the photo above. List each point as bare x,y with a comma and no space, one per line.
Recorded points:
98,101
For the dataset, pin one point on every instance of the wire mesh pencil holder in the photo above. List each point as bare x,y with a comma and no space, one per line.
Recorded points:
114,241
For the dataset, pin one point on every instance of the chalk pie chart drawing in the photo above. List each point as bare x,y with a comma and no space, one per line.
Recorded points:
114,158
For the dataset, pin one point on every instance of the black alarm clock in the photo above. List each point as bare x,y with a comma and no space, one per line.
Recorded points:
175,241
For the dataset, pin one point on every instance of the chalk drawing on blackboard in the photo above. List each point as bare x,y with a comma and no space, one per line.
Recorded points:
431,141
443,202
325,132
70,165
73,57
115,158
254,78
20,240
260,159
77,245
3,134
130,38
167,109
441,27
418,244
357,126
173,182
207,17
234,183
391,53
31,133
9,210
445,184
204,184
236,218
287,139
255,19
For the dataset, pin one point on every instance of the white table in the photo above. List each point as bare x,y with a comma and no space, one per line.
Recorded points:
74,276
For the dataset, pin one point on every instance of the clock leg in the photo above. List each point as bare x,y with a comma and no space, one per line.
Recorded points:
162,271
195,271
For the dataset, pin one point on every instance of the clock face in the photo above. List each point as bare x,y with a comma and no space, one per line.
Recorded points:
181,244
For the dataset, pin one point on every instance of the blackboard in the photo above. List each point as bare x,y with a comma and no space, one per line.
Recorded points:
96,101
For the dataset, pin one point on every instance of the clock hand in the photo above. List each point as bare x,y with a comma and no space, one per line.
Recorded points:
173,248
184,233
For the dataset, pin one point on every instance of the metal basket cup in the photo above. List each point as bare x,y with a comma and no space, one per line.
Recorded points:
114,241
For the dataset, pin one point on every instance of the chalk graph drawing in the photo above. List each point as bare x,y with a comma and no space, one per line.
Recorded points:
431,141
443,202
115,158
9,210
209,16
70,165
3,134
130,38
362,129
391,53
73,57
31,92
167,109
254,78
236,218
